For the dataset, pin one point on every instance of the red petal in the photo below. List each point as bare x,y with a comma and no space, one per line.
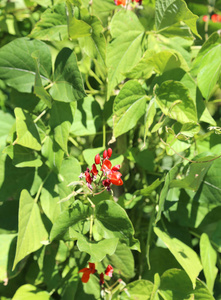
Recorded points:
92,268
109,271
86,276
83,270
116,168
106,166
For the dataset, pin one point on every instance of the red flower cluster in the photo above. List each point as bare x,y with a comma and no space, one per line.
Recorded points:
124,2
215,18
108,173
91,270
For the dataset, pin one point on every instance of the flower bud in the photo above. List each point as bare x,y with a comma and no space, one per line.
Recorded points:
97,159
104,154
109,152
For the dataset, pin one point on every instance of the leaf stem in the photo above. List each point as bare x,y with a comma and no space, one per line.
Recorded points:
40,187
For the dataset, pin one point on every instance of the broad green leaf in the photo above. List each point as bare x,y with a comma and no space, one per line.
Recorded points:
17,66
196,174
169,177
29,291
70,169
186,257
6,123
125,49
38,88
201,291
208,258
139,290
53,153
209,71
27,134
175,284
87,118
68,84
128,107
5,243
77,214
111,221
210,191
60,122
171,12
94,45
78,29
97,250
23,157
174,100
122,261
31,230
160,62
52,25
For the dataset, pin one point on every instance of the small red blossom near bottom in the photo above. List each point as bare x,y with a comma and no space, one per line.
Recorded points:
109,271
205,18
87,272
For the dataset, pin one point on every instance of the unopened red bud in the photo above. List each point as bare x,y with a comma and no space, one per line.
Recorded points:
105,154
109,152
97,159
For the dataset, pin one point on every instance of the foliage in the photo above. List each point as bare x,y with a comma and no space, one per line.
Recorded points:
124,94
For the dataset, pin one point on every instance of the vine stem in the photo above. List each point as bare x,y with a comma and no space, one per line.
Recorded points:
40,187
39,117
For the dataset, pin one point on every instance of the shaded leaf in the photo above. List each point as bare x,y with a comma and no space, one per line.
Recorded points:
128,107
186,257
31,231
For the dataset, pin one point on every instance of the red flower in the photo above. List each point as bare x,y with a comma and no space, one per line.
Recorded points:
104,154
113,173
88,177
109,152
87,272
205,18
216,18
94,170
101,279
120,2
138,1
109,271
97,159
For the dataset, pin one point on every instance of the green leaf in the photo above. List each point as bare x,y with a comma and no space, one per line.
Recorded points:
148,190
125,49
17,66
78,29
94,45
174,100
160,62
210,64
97,250
68,84
87,118
122,261
201,291
196,174
128,107
139,290
6,123
77,214
170,12
111,221
186,257
38,87
169,177
27,133
175,284
208,257
52,25
29,291
23,157
5,243
53,153
60,122
31,231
